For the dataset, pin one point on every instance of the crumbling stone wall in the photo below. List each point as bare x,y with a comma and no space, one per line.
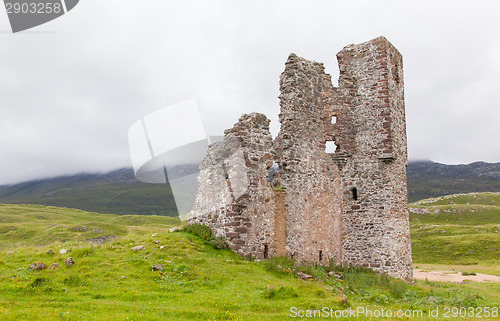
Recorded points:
347,205
307,173
234,197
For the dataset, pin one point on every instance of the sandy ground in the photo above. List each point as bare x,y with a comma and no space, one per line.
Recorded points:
453,276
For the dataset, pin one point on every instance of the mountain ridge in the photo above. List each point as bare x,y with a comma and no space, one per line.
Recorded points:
428,179
118,191
114,192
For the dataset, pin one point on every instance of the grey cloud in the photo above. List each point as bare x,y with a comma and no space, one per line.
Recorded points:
69,96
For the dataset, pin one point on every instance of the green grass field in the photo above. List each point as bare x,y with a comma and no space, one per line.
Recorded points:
110,281
458,229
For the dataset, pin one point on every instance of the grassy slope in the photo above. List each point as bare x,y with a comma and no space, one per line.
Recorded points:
457,229
112,282
458,233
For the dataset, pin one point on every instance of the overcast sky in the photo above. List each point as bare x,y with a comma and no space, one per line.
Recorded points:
70,89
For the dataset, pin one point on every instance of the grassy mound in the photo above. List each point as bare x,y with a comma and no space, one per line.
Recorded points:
457,229
30,225
147,273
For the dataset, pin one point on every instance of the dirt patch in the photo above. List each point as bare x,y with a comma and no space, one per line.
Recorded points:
101,239
453,276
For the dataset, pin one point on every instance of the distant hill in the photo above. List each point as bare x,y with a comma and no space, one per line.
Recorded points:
118,192
427,179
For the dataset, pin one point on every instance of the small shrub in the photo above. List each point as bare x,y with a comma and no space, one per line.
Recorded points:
397,288
468,300
361,281
38,282
317,271
279,265
202,231
377,296
205,233
468,273
281,292
73,280
83,252
320,293
218,243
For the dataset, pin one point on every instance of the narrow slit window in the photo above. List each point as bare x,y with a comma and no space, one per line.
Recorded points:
355,193
334,120
320,256
266,251
272,170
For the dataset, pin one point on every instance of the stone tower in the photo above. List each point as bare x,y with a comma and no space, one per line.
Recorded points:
347,204
372,155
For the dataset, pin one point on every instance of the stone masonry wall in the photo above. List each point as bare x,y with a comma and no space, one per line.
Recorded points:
234,198
308,175
376,230
348,205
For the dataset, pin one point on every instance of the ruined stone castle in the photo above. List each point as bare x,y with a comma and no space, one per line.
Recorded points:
347,204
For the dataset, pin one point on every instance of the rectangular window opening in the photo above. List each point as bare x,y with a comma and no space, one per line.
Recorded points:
266,251
330,147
